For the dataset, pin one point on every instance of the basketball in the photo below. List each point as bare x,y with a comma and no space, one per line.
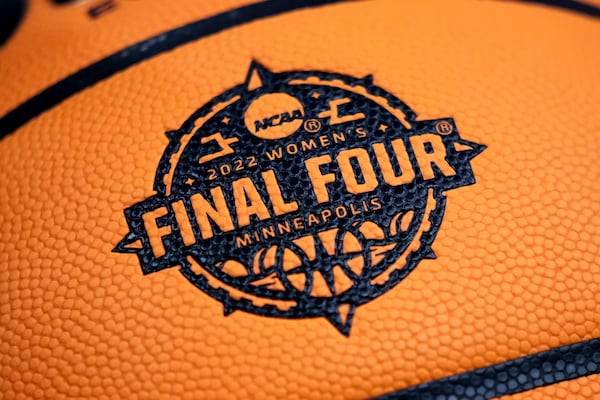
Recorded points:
285,199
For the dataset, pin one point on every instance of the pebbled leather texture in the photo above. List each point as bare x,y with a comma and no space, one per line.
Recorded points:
517,267
583,388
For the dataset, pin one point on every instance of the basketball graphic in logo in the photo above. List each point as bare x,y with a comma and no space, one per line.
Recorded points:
299,194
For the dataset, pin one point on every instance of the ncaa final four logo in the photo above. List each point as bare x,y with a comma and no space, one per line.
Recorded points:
299,194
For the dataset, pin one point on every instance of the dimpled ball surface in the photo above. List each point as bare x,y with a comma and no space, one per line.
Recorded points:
518,253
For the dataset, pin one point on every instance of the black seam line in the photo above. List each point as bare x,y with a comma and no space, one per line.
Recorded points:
521,374
144,50
570,5
169,40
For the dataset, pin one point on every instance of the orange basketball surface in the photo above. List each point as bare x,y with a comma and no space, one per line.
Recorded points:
517,253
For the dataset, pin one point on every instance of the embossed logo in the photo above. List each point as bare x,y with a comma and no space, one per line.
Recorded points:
299,194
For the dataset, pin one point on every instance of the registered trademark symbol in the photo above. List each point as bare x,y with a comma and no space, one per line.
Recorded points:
312,125
443,128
